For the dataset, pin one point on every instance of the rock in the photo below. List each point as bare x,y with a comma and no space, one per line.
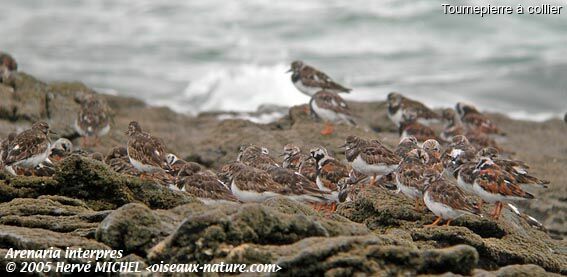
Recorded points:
205,234
55,213
101,188
27,102
33,238
365,255
514,270
132,228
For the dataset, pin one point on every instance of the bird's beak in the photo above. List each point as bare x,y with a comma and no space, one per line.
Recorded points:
290,70
282,154
52,132
343,145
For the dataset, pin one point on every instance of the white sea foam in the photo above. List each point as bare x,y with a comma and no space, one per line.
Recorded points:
241,88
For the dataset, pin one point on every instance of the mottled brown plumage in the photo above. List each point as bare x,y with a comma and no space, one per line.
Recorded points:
329,170
204,185
445,199
330,107
93,119
118,161
146,153
29,148
473,119
256,156
309,80
400,106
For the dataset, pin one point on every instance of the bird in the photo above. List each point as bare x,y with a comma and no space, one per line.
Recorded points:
301,163
203,184
305,189
454,127
331,108
146,153
444,199
409,175
309,80
175,164
370,157
4,147
493,185
399,106
250,184
405,145
518,169
256,156
433,150
410,126
117,159
473,119
329,170
93,119
60,149
8,66
29,148
292,157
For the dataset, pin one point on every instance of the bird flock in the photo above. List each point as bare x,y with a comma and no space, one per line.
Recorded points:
452,173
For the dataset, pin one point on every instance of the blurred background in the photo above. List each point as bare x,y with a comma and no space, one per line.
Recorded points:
232,55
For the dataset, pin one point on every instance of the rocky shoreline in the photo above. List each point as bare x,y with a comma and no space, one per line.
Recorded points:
85,204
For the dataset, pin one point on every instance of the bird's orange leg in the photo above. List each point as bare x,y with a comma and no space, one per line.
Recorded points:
328,130
434,222
498,210
333,206
448,222
372,180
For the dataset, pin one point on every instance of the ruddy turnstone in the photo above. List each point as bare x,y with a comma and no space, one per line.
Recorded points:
250,184
256,156
60,149
399,106
433,150
8,65
329,170
444,199
518,169
305,189
292,157
175,163
204,185
458,147
405,145
494,185
146,153
118,161
308,168
299,162
331,108
93,119
348,190
370,157
409,175
29,148
455,127
5,147
309,80
473,119
411,127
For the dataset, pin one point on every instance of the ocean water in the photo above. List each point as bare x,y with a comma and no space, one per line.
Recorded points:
209,55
